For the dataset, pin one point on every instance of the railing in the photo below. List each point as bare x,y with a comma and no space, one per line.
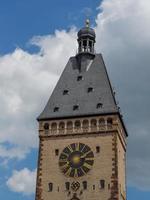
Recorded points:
80,130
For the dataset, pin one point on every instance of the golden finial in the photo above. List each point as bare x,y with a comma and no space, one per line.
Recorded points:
87,23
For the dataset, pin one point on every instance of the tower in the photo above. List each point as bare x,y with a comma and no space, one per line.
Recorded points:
82,136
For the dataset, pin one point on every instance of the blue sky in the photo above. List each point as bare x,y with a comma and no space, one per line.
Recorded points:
28,54
24,19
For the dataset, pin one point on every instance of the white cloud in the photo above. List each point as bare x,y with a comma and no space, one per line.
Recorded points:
123,37
27,80
22,181
26,83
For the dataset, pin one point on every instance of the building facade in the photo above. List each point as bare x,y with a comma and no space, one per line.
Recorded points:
82,137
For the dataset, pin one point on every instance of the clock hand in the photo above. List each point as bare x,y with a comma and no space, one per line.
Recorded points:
83,156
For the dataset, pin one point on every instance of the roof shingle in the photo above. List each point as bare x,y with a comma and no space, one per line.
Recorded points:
93,74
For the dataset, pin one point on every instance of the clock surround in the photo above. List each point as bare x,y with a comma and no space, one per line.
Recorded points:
76,160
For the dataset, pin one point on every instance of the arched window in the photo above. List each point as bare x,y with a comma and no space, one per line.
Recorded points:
61,125
77,124
84,185
101,121
67,185
50,187
97,149
84,45
54,126
85,125
102,184
109,121
93,123
69,125
46,126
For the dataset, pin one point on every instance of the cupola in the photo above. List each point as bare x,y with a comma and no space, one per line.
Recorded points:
86,39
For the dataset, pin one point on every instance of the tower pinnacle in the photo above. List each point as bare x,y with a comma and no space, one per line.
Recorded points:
87,23
86,39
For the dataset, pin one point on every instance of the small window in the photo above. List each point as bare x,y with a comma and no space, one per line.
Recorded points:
80,43
69,125
81,192
85,124
102,184
84,185
54,126
65,92
93,123
90,89
102,121
79,78
109,121
84,42
76,107
108,186
90,43
97,149
67,185
46,126
56,152
77,124
93,187
99,105
61,125
50,187
56,109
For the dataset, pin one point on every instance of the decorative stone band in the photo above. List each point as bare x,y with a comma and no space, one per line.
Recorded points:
80,126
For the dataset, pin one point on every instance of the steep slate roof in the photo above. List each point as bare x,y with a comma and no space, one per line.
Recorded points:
94,76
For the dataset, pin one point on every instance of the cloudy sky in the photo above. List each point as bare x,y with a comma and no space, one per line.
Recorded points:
33,53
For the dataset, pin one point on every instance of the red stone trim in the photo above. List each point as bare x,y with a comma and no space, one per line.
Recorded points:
38,195
114,178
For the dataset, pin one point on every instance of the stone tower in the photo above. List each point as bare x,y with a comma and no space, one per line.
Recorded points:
82,146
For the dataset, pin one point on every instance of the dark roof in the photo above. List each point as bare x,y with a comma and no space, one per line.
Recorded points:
86,31
83,89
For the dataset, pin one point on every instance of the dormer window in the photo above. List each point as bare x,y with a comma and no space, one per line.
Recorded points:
56,109
90,89
65,92
76,107
99,105
79,78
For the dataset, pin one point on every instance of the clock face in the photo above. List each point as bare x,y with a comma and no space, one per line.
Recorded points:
76,160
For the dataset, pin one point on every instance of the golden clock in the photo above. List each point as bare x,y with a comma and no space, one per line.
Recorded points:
76,160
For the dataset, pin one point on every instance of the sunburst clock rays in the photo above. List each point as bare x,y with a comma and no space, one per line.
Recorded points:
76,160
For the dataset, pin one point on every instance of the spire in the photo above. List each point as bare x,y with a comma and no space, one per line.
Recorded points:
86,39
87,23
